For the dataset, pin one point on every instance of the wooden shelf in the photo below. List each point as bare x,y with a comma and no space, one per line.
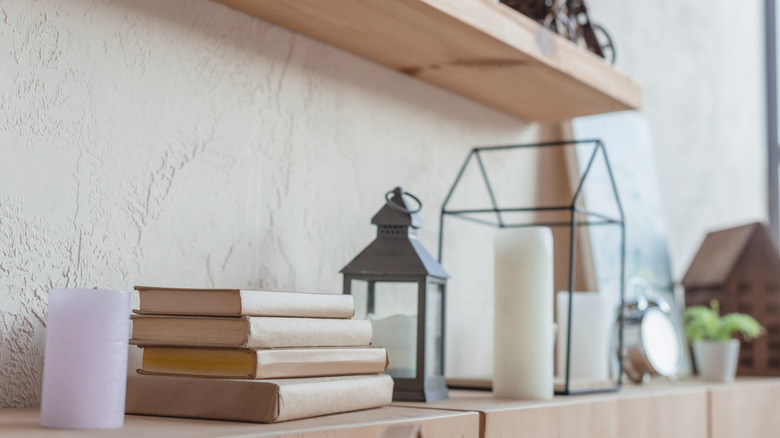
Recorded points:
686,409
691,409
25,423
747,408
637,412
477,48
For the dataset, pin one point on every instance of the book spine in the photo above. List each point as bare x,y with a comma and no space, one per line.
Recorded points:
193,397
264,401
190,331
303,305
307,332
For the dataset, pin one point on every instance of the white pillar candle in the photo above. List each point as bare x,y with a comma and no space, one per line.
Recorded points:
592,321
85,361
398,335
523,355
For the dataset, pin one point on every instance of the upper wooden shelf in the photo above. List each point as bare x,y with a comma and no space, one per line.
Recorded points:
477,48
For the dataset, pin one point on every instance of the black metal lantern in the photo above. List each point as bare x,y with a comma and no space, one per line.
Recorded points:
401,288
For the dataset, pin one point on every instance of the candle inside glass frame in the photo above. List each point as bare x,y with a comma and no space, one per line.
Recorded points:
568,214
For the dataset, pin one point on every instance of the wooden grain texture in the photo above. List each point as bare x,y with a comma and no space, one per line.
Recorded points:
636,412
24,423
693,409
746,409
669,416
477,48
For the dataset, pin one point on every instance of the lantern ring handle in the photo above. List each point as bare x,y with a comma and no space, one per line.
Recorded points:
402,209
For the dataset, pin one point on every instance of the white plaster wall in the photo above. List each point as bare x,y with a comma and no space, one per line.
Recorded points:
184,143
702,68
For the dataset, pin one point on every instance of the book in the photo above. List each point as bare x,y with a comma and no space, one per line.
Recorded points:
263,364
260,401
249,331
237,302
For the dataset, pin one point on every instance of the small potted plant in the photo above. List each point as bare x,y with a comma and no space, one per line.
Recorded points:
715,351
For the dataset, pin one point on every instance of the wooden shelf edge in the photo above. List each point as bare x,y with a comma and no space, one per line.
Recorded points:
476,48
514,29
25,422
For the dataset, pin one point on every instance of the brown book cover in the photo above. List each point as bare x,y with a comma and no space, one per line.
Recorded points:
260,401
238,302
263,364
249,332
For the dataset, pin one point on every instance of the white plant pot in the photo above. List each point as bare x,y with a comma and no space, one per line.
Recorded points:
717,360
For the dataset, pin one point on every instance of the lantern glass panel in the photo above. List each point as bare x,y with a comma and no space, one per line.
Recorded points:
392,310
434,364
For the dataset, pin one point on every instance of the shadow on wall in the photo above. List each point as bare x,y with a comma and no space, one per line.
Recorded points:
211,20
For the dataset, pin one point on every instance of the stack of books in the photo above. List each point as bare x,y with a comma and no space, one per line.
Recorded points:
250,355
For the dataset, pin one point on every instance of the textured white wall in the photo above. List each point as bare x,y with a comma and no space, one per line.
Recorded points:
184,143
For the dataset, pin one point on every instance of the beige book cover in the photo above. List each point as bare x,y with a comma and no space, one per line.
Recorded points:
238,302
249,331
260,401
263,364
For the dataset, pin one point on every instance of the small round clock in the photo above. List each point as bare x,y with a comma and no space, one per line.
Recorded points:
651,342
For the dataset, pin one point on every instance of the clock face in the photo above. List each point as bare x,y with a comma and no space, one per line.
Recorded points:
661,342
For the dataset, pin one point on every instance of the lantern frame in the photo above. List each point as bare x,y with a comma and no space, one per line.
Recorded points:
423,387
396,256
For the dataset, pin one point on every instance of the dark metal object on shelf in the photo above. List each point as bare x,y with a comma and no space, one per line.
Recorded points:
536,9
578,216
393,267
568,18
595,36
603,42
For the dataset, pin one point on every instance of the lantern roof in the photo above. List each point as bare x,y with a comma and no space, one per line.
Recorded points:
401,257
396,251
398,211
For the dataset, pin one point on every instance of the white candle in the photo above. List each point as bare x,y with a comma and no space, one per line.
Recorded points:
85,361
592,321
523,355
398,335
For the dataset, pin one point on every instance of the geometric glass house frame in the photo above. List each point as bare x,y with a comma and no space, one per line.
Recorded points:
578,217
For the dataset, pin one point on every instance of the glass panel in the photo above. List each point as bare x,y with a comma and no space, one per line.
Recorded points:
775,99
776,36
359,291
434,365
392,309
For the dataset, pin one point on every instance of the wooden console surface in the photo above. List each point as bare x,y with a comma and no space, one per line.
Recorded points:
691,409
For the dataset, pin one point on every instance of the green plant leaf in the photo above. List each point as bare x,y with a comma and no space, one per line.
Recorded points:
741,323
705,323
700,323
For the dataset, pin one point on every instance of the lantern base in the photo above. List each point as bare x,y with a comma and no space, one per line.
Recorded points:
428,389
